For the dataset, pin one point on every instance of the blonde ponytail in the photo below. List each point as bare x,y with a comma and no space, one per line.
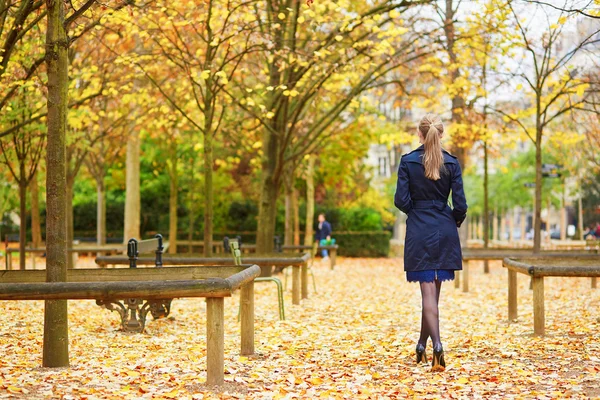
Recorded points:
432,129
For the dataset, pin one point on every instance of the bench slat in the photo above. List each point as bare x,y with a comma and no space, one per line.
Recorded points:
147,246
282,261
214,287
125,274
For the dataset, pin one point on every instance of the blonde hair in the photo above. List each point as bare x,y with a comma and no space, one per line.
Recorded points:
432,129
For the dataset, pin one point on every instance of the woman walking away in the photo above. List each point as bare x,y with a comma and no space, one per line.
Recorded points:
432,246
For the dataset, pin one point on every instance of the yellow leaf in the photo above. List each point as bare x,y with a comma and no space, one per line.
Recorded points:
316,381
14,389
281,16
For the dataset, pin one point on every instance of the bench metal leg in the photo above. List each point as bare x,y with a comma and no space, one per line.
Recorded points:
279,293
486,267
313,279
215,341
594,283
247,327
304,271
332,259
512,295
539,317
466,277
295,284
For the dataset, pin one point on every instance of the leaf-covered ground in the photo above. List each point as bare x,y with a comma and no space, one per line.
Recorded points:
354,339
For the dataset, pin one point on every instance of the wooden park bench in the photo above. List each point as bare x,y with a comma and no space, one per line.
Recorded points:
77,249
251,248
499,254
154,284
538,268
332,249
298,262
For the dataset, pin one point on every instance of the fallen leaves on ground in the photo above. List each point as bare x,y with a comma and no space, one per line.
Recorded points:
354,339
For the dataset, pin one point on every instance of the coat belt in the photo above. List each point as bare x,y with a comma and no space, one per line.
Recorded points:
439,204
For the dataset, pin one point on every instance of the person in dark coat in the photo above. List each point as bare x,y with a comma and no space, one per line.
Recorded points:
323,233
432,253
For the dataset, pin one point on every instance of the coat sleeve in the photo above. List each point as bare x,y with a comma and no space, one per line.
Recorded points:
326,230
459,202
402,199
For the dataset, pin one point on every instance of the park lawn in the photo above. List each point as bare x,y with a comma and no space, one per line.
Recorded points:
354,339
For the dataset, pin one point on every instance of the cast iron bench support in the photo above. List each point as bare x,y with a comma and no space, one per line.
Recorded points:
133,311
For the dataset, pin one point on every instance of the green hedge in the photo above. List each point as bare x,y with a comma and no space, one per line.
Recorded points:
363,244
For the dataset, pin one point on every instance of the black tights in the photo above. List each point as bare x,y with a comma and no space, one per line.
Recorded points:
430,321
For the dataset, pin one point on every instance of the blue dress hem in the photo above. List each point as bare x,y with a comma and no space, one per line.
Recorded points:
430,275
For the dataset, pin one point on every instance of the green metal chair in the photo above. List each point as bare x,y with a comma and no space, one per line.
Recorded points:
313,256
237,257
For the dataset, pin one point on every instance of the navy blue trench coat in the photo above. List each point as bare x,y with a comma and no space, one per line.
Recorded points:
432,241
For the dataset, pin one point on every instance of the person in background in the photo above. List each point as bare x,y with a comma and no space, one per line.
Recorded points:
590,234
323,233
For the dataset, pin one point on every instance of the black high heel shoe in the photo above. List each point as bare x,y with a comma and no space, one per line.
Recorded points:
421,356
438,363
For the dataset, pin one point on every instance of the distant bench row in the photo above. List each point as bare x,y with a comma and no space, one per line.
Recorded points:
76,249
500,254
197,246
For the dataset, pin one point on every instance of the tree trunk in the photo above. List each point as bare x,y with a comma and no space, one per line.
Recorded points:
549,205
23,217
191,211
36,230
69,215
296,211
580,217
310,201
537,228
563,216
132,188
495,225
511,226
173,198
56,328
288,237
502,228
208,194
101,212
486,199
523,224
267,210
